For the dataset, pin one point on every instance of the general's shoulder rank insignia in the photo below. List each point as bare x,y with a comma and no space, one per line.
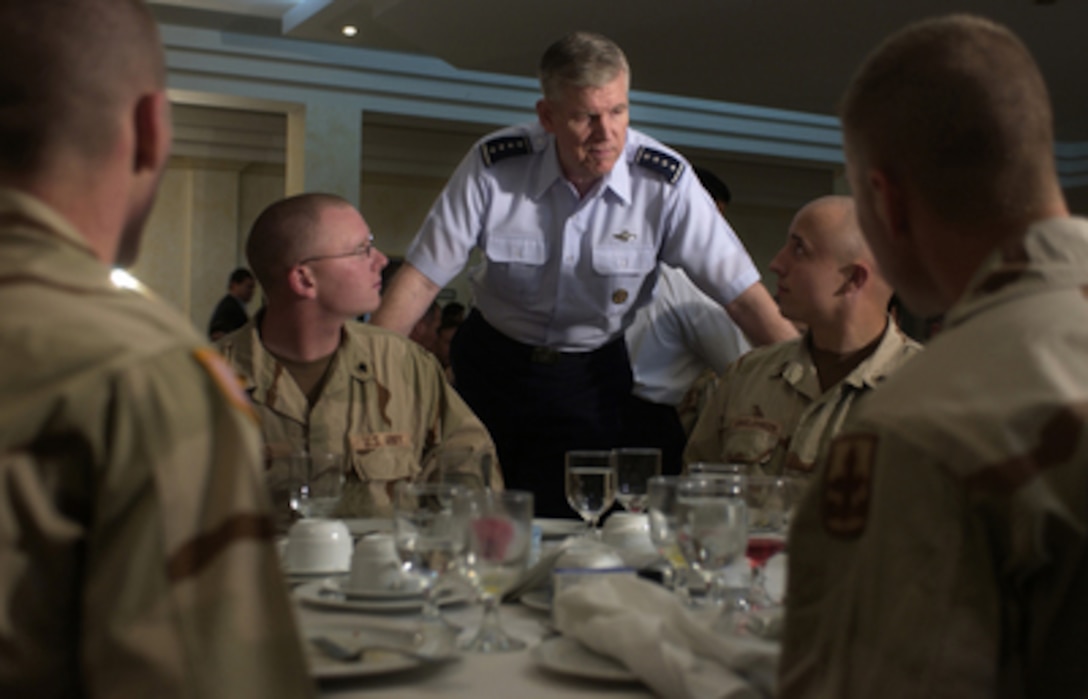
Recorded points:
668,166
847,485
503,147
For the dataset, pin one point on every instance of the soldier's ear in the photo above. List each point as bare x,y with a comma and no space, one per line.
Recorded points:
890,199
302,282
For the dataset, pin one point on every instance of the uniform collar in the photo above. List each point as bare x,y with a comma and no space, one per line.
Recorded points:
1052,254
799,371
618,181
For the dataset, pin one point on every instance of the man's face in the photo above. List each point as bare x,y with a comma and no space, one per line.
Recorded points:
243,290
810,269
590,128
346,267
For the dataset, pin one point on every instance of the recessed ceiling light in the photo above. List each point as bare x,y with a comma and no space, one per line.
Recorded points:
349,30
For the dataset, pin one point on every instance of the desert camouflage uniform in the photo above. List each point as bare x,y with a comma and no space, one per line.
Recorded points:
769,411
941,550
385,404
135,543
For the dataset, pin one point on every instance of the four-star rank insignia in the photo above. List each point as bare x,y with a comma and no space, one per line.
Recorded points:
847,486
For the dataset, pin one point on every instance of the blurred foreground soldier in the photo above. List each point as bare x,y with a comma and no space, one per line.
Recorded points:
942,550
572,215
778,407
135,544
325,384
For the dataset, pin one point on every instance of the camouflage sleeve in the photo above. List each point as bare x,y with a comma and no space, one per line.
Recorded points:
183,584
705,440
457,440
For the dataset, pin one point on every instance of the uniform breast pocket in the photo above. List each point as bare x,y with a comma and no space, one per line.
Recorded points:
750,440
622,271
516,263
368,491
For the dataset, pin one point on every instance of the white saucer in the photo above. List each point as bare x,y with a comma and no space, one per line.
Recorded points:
329,595
569,657
411,589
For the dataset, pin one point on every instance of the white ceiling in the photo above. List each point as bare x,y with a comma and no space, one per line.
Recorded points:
790,54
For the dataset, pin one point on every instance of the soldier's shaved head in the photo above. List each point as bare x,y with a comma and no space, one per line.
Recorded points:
957,107
68,68
284,234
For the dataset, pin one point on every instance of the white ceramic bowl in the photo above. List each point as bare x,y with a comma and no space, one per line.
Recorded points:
318,546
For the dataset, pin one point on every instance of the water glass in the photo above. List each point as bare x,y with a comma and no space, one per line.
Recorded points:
634,468
661,504
590,484
465,466
499,537
429,535
304,485
712,528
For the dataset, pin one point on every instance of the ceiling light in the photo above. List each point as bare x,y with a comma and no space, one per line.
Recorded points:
349,30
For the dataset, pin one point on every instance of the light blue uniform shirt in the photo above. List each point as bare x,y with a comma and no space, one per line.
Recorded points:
566,272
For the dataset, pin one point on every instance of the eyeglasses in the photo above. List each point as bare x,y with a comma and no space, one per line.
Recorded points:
358,251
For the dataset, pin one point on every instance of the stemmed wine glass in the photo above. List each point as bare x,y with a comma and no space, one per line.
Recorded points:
499,535
712,529
304,485
465,466
429,535
661,504
770,502
590,484
634,468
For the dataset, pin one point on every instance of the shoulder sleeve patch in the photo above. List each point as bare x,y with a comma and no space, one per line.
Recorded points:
847,485
504,147
663,164
228,382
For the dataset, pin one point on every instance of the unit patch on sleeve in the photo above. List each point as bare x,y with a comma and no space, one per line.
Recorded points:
663,164
847,486
504,147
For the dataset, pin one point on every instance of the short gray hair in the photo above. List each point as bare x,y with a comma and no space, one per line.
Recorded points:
581,59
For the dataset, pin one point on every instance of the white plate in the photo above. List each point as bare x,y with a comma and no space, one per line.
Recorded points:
569,657
372,662
327,594
557,528
378,593
359,527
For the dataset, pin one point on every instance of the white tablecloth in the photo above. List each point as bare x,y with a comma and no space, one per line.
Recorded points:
473,676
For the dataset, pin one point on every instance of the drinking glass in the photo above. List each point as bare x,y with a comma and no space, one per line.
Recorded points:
465,466
712,529
429,535
304,485
770,502
320,486
590,484
499,535
634,468
661,504
711,468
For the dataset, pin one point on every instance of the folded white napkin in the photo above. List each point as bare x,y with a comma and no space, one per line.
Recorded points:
648,629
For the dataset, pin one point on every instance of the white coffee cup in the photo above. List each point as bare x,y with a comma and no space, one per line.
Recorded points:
318,546
376,566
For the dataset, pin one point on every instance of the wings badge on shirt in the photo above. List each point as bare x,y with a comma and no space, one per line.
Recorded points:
847,485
